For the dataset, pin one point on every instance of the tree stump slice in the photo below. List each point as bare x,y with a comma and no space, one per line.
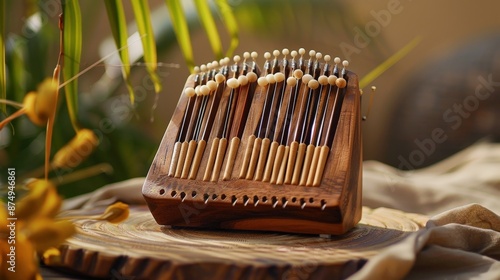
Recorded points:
139,248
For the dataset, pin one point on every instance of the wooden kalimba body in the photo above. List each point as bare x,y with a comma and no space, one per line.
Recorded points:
277,149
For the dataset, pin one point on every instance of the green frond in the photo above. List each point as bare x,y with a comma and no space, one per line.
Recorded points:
230,24
118,24
207,20
181,30
72,46
143,20
388,63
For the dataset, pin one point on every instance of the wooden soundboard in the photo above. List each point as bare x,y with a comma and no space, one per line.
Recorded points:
277,149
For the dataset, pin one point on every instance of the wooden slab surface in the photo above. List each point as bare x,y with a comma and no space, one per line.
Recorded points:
139,248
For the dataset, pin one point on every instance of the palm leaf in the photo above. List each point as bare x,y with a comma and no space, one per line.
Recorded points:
3,85
143,20
118,23
18,75
388,63
230,23
72,46
208,22
181,30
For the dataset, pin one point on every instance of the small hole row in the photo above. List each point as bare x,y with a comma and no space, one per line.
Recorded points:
255,200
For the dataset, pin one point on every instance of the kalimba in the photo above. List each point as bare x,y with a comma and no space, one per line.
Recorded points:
272,149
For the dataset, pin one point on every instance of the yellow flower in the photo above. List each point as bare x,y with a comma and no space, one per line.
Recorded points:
115,213
37,232
41,201
38,105
46,100
79,148
29,107
18,261
33,231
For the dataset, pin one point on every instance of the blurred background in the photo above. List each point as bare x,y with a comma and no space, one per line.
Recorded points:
440,98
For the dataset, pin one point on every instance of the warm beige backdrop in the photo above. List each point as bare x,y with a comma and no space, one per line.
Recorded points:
443,26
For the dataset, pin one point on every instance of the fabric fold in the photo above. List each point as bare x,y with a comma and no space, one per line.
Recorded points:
462,243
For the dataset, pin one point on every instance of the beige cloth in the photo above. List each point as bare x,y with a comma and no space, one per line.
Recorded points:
462,242
470,176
